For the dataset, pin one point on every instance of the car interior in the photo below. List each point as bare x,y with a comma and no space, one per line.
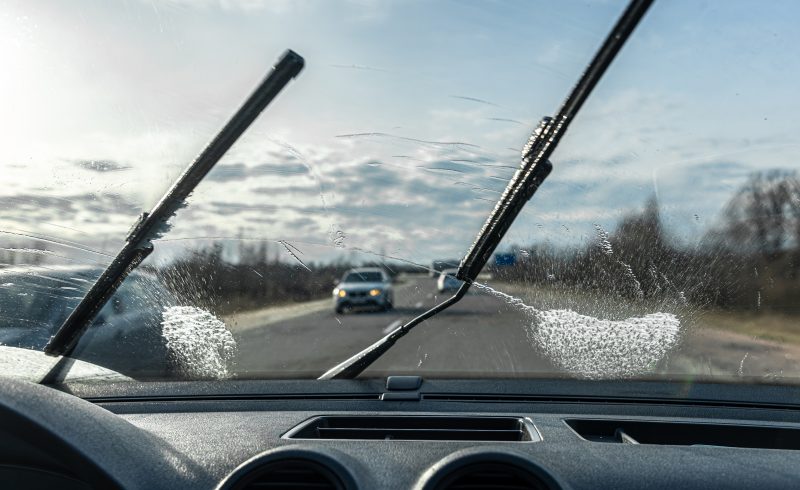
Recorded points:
575,392
399,432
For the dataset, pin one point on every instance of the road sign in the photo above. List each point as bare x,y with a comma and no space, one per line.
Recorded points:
504,260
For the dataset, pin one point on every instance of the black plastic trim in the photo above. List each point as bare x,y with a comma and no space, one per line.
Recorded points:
418,427
328,458
686,433
403,383
442,469
622,392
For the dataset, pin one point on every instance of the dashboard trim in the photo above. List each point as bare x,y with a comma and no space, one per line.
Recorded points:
325,456
443,468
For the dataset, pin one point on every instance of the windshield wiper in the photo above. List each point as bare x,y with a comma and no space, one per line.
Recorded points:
534,168
139,242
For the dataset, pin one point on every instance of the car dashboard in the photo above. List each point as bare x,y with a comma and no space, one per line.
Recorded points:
402,434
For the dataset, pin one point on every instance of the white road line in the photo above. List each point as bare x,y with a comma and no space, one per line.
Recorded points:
267,316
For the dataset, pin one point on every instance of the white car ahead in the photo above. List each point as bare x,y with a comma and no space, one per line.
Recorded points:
363,287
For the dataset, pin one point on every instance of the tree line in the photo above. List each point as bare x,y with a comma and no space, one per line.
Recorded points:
255,279
749,261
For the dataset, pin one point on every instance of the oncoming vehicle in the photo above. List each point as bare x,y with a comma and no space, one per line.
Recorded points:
363,287
447,281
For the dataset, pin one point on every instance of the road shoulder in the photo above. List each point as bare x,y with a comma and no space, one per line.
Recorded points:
262,317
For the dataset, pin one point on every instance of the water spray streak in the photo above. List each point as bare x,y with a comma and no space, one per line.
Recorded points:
289,250
605,244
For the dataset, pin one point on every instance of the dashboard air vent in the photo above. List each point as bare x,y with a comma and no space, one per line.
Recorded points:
686,433
288,474
491,476
417,428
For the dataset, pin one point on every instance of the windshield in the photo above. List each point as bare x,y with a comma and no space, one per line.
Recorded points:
665,243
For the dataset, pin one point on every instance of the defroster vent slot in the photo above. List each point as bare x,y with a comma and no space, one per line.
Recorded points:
417,428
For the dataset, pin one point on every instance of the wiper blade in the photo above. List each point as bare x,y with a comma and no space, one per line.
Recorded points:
139,242
534,168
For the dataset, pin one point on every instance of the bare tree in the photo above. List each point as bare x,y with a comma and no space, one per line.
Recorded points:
763,217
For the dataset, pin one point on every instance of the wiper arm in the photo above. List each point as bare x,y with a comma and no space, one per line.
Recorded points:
534,168
139,242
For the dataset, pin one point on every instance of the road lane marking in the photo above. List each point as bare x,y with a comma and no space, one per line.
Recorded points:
250,320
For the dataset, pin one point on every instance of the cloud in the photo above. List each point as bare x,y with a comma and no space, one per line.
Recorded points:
233,172
234,208
68,205
227,172
101,165
109,204
262,220
421,198
288,189
282,168
33,202
303,222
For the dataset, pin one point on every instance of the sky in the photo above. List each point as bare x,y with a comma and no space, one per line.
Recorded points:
401,131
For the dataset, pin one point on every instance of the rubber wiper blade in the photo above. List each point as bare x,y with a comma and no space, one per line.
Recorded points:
534,168
150,226
526,180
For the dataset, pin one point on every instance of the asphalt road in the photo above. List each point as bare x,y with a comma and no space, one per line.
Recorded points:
481,334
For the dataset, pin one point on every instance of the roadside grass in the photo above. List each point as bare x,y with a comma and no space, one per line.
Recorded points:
767,325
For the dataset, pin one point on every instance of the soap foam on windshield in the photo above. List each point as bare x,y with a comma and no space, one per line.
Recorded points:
594,348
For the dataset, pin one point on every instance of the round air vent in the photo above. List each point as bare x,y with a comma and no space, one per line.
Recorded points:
289,474
292,468
479,468
491,475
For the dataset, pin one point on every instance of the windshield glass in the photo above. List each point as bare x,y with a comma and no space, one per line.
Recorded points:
664,242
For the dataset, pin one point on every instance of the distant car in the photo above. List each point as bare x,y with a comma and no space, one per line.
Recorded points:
370,287
437,266
447,281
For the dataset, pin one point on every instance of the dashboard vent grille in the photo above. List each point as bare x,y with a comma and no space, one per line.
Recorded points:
416,428
492,476
289,474
686,433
